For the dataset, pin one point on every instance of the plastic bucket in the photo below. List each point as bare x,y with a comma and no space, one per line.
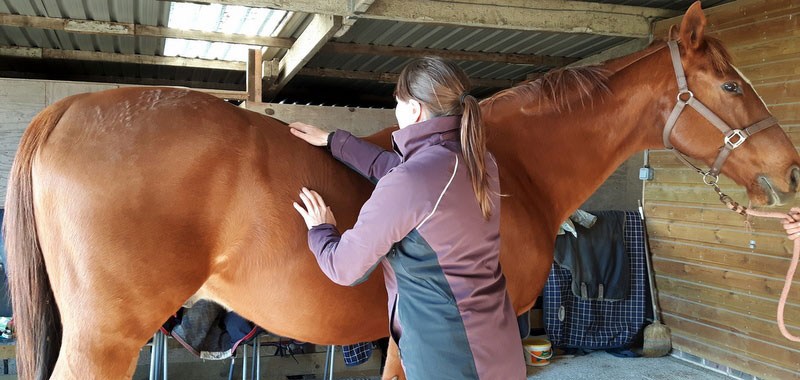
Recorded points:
538,351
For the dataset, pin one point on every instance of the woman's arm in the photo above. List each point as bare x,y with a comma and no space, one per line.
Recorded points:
370,160
389,215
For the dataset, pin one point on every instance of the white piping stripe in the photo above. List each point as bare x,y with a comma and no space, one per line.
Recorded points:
440,195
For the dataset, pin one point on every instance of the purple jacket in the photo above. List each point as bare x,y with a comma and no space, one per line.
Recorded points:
449,309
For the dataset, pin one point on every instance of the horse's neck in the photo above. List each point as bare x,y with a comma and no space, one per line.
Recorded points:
570,154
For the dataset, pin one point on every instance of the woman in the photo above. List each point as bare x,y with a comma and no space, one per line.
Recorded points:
433,222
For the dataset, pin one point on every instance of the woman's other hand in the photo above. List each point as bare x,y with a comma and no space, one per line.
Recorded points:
315,212
792,226
309,133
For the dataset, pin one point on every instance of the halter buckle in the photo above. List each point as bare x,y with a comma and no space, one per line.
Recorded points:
740,138
691,95
713,179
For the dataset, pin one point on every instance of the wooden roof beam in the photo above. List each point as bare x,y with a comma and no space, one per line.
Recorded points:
626,48
392,77
541,15
44,53
358,7
456,55
128,29
317,33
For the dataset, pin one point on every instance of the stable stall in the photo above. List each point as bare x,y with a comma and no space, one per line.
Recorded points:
334,64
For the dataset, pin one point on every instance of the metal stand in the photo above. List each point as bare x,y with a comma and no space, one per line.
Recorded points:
244,362
330,352
256,358
158,357
255,366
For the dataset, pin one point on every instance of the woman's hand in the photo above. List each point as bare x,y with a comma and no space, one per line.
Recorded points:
309,133
316,212
792,226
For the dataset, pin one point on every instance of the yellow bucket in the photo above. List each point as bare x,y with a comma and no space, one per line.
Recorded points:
538,351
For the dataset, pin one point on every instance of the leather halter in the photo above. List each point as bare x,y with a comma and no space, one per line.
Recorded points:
733,137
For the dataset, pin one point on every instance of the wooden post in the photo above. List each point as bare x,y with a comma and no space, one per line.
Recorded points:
254,77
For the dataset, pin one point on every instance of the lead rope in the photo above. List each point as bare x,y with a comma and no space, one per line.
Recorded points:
746,211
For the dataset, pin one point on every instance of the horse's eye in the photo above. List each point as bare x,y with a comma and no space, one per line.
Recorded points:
732,87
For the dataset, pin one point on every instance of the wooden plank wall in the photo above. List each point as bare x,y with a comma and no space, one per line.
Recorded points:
20,101
719,284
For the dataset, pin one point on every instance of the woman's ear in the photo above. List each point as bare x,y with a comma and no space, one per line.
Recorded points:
416,109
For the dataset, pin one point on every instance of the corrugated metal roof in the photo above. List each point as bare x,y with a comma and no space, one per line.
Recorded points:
393,33
147,12
224,19
231,19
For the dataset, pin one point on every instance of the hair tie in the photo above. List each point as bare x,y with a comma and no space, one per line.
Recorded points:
464,95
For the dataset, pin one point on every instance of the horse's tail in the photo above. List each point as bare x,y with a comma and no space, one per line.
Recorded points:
37,322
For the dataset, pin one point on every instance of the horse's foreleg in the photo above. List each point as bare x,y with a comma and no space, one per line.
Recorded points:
393,370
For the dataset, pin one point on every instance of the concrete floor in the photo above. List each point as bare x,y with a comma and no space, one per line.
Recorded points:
600,365
597,365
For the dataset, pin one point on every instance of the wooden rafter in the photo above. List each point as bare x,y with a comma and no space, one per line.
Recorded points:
316,34
456,55
541,15
626,48
129,29
44,53
392,77
358,7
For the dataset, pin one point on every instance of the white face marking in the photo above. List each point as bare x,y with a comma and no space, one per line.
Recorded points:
750,84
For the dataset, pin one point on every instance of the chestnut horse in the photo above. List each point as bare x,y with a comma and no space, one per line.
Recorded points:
123,204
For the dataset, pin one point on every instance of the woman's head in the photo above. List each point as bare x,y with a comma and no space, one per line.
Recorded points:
430,87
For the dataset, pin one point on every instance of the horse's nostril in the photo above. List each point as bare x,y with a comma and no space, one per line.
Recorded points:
794,179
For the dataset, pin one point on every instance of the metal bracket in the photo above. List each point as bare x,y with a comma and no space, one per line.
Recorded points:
735,144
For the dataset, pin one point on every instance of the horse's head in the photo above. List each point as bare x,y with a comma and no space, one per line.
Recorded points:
765,162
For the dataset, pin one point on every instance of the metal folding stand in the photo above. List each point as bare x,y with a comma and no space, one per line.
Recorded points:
158,357
255,365
256,358
330,352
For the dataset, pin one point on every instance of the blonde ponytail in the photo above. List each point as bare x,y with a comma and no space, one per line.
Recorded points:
473,147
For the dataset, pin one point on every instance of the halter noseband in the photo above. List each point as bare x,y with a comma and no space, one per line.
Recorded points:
733,137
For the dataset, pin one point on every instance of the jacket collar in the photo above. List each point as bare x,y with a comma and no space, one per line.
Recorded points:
414,137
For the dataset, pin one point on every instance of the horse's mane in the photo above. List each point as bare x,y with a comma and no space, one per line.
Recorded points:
562,87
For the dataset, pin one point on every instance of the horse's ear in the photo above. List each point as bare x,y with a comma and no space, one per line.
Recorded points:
693,26
673,33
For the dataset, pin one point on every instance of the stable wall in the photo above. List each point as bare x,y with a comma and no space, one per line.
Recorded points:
20,101
719,284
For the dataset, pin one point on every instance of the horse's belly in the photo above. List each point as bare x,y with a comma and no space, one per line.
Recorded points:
299,302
